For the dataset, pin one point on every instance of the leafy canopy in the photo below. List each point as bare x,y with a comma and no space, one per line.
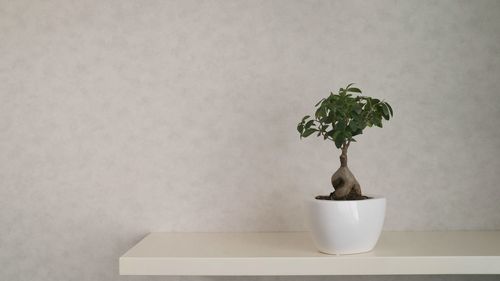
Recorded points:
340,117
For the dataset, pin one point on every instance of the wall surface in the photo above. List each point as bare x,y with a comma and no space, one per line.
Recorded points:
119,118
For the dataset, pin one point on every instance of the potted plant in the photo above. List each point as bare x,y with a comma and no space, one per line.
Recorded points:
345,221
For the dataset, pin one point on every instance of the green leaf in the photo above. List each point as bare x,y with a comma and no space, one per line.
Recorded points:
354,90
390,109
319,102
357,132
339,135
349,86
300,127
326,120
340,125
385,109
309,124
308,132
320,112
358,108
339,140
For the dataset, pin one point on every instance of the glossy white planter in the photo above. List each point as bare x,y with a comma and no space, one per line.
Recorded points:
345,227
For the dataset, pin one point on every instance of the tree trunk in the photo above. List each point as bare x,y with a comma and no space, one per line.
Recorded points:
345,184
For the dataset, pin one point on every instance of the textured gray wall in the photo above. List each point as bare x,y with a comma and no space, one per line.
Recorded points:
119,118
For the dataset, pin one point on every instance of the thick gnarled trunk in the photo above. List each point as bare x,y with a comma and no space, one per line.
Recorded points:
345,184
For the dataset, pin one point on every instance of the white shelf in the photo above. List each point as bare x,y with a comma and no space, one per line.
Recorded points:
292,253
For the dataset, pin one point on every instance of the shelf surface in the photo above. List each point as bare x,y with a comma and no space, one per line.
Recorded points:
293,253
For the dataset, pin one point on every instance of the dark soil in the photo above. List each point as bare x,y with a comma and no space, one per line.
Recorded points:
351,196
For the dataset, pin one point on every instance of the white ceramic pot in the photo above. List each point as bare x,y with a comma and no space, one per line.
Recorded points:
345,227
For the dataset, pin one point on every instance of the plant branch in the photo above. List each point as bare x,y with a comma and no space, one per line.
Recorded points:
345,146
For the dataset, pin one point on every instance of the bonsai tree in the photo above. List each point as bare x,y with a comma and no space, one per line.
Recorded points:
339,118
